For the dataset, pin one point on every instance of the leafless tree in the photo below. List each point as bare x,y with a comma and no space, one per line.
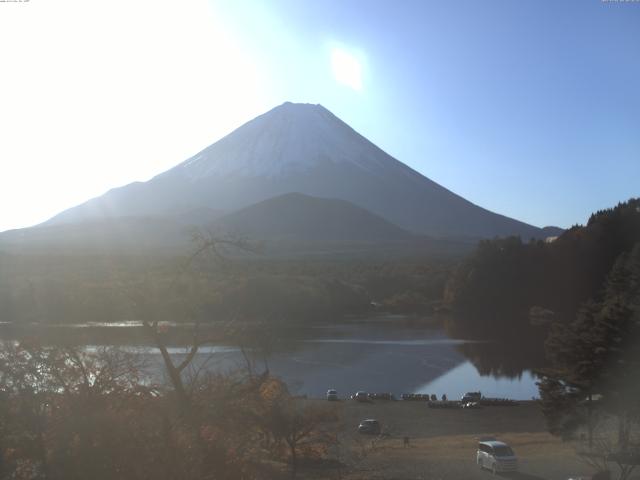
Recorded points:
605,450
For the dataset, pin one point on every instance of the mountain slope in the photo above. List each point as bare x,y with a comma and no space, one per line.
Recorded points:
292,225
126,234
302,148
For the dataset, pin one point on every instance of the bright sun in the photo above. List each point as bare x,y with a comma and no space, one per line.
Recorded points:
346,69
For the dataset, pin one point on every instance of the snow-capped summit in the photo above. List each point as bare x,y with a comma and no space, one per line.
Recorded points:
291,138
301,148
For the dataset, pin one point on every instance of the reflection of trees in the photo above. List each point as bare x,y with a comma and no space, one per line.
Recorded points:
504,358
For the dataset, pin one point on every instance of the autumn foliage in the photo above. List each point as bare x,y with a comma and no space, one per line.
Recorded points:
68,413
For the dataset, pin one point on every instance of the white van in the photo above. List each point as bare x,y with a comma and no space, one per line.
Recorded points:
496,456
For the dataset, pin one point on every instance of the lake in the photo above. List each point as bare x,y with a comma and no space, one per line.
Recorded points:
374,356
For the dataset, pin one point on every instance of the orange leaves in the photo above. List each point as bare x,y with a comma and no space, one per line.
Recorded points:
273,389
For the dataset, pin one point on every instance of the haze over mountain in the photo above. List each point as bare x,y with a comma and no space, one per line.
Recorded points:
300,148
133,235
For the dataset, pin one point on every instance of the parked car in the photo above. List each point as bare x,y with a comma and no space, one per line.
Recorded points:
361,397
470,405
369,427
471,397
332,395
496,456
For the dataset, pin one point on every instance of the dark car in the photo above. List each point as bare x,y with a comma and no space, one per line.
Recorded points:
361,397
471,397
369,427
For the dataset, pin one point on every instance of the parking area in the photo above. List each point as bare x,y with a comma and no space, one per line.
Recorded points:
425,443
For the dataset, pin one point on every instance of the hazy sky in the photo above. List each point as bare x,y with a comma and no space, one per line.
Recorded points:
527,108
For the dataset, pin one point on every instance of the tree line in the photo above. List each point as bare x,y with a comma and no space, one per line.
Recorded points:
509,283
53,289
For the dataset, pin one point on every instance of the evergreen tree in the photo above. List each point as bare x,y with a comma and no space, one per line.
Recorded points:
597,354
494,289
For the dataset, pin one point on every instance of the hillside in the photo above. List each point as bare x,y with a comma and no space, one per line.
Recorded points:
298,217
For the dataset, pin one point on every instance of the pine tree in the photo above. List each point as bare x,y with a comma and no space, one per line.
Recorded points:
597,354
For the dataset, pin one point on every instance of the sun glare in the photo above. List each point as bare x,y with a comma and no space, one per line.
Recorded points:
347,70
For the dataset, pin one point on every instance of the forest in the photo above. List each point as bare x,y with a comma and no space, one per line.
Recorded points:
509,283
578,299
74,289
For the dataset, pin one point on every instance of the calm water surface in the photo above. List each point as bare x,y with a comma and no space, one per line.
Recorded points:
375,357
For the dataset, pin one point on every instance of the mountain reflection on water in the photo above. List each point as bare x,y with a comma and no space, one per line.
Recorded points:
383,357
384,354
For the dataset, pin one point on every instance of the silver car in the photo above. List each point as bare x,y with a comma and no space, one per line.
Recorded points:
332,395
496,456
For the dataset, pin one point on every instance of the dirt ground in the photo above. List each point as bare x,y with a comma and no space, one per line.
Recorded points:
442,442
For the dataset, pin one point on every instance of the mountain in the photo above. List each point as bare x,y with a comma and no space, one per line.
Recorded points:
551,231
291,225
301,148
302,218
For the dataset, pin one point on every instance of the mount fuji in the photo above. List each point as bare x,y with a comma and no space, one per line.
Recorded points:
300,148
